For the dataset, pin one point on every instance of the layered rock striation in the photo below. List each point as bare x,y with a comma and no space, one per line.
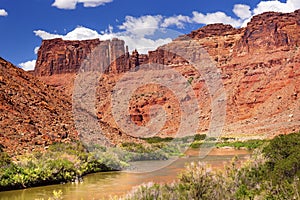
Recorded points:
259,68
57,56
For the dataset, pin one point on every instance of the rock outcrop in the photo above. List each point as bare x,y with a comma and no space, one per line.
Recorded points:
58,56
259,67
271,31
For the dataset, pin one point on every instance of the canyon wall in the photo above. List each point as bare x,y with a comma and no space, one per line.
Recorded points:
259,67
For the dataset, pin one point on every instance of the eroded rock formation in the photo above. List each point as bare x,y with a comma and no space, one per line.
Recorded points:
259,67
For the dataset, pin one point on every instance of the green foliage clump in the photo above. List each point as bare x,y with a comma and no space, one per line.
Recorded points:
185,139
194,141
196,144
199,137
283,157
60,163
156,139
249,144
4,159
156,151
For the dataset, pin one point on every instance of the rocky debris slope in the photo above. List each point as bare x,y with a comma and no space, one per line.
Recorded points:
33,115
259,68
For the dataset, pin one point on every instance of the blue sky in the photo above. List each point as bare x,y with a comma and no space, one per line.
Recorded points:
25,23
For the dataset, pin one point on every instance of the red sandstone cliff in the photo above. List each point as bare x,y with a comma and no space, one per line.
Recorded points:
260,70
57,56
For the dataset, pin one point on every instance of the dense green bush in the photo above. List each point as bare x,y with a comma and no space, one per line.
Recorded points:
283,155
4,159
196,144
157,139
249,144
60,163
194,141
156,151
185,139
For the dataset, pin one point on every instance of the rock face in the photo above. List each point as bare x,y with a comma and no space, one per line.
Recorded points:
270,31
57,56
259,68
33,115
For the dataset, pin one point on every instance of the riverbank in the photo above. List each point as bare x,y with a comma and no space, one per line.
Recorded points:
105,184
62,163
220,174
272,173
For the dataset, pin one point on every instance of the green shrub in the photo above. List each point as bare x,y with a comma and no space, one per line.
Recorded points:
283,154
249,144
155,151
4,159
185,139
196,144
156,139
199,137
60,163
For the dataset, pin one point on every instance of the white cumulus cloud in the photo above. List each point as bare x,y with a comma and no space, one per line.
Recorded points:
45,35
294,3
81,33
36,49
29,65
217,17
3,12
141,26
277,6
139,32
71,4
178,21
242,11
141,43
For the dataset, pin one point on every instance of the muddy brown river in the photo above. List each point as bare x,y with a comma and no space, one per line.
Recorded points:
105,184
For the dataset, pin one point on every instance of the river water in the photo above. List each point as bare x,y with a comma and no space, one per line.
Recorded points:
105,184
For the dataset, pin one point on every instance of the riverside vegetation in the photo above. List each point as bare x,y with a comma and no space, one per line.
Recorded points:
69,162
272,173
62,163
